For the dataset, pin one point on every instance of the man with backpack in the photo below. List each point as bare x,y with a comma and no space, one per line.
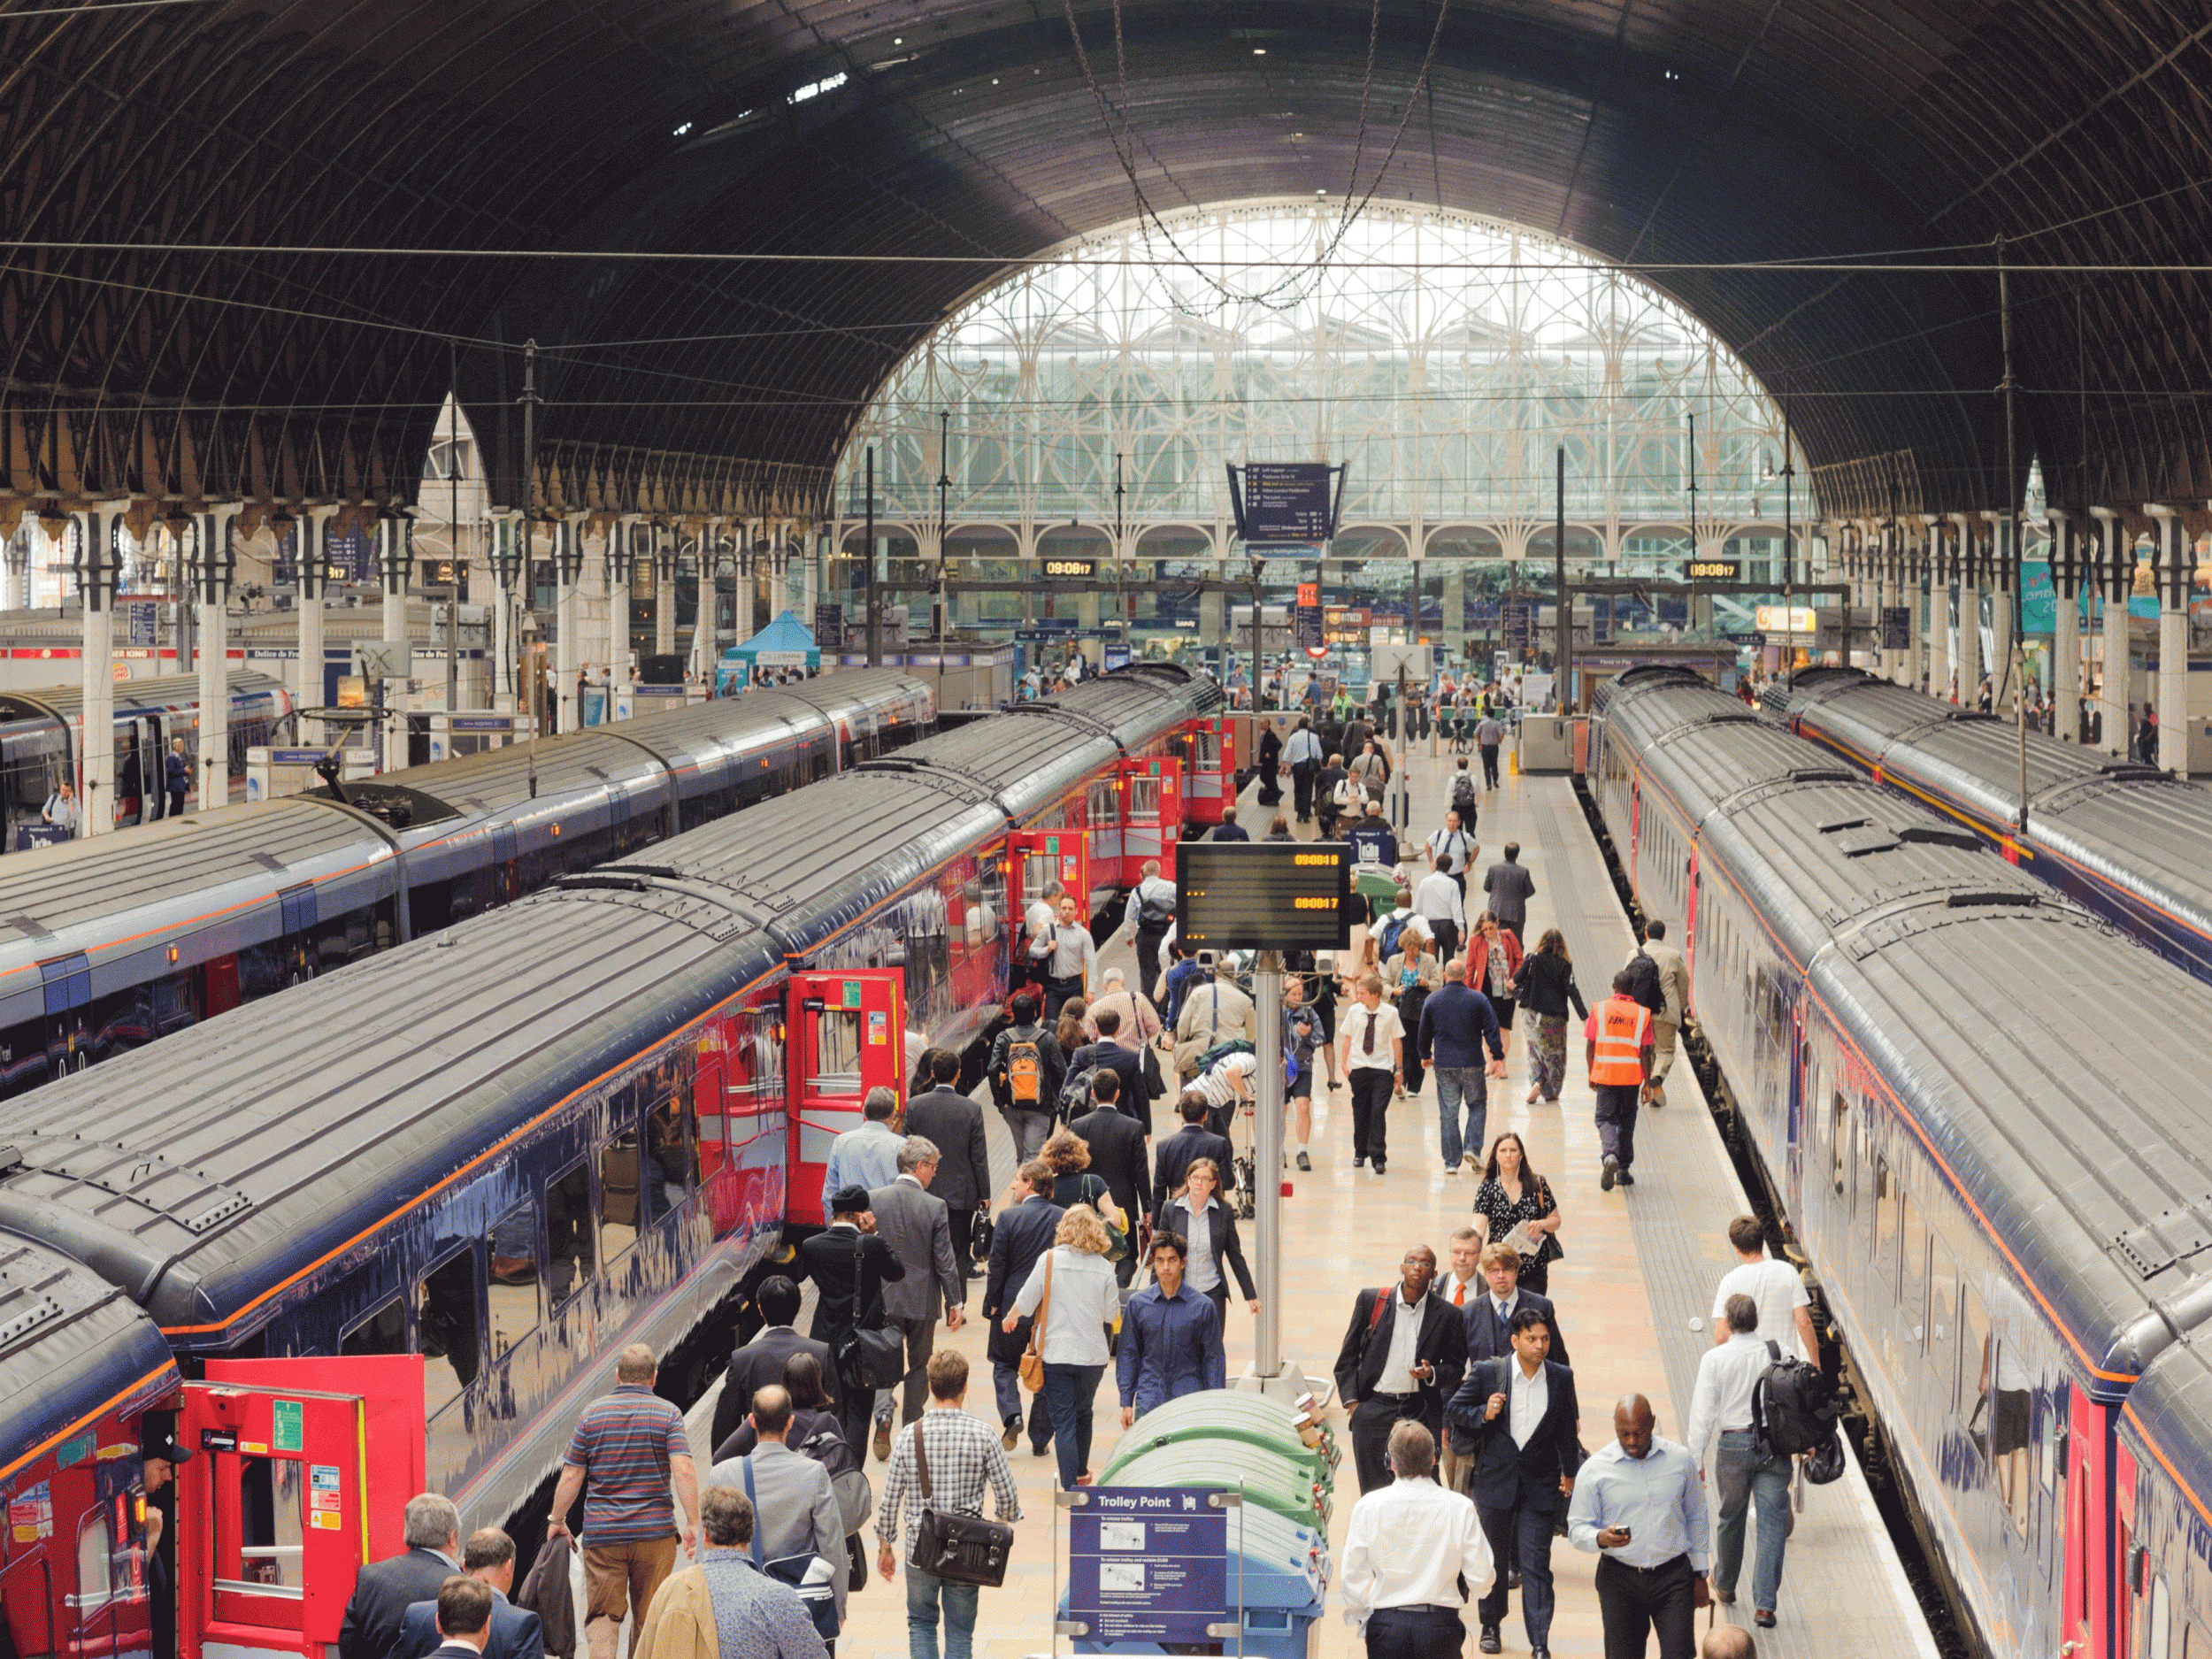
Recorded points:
1335,796
1669,977
794,1507
1747,1468
1025,1070
1303,754
1155,899
1213,1013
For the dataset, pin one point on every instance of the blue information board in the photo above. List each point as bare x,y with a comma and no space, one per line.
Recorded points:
1286,502
1149,1564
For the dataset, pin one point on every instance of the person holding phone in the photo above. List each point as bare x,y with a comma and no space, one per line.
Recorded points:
1639,1507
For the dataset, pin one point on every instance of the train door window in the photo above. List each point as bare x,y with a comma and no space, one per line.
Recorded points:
383,1331
95,1555
1099,810
836,1056
1943,1320
1912,1240
618,1193
1977,1365
672,1144
258,1544
1144,800
1840,1151
2158,1624
2051,1449
1209,750
451,1334
569,1256
26,1604
511,1289
1886,1220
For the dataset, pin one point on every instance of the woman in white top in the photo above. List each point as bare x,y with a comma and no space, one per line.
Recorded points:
1208,1227
1085,1299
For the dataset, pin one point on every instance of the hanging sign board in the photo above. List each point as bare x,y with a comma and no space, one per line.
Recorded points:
1262,895
1284,502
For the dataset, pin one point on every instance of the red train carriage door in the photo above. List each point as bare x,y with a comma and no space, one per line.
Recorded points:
1210,783
283,1503
1041,857
848,1036
2089,1568
1152,814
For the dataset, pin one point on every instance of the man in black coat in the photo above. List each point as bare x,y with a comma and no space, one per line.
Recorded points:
1515,1420
1490,1317
515,1632
1403,1356
1117,1157
848,1265
1108,1053
760,1361
384,1590
1178,1151
1024,1234
954,1123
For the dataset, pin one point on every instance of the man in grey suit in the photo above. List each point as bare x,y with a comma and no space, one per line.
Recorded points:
911,1220
954,1123
384,1590
794,1505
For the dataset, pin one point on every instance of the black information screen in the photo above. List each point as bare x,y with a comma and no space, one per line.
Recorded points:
1262,895
1286,501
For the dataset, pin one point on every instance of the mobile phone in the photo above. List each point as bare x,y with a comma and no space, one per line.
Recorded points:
1627,1535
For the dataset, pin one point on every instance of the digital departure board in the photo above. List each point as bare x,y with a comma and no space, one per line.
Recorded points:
1287,502
1262,895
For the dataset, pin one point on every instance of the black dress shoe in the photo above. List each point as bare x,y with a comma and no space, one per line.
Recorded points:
1512,1578
1490,1642
1540,1652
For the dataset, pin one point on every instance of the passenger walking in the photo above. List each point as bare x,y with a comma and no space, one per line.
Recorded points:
511,1631
1410,978
1170,1338
1518,1209
461,1614
1229,829
1214,1012
1212,1249
1727,1378
1514,1419
60,810
1172,1158
1370,770
1639,1507
1108,1053
1488,736
1074,1297
1117,1145
1155,899
1489,1312
1372,840
794,1507
1137,1021
849,1265
954,1123
1024,1072
1616,1047
1786,1307
384,1590
1271,762
1305,1034
1440,900
1510,888
917,1226
628,1447
866,1157
1402,1358
1412,1550
1674,982
1334,795
1456,1024
761,1361
1026,1230
1494,961
725,1607
1370,1052
964,1460
1546,987
178,775
1073,960
1304,756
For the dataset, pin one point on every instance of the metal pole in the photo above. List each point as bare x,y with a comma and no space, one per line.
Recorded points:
875,615
453,528
1562,647
2012,532
1789,563
1267,1164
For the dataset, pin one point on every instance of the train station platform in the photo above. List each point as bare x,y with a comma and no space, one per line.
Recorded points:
1633,1292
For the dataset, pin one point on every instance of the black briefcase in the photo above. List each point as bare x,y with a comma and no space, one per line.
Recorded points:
872,1359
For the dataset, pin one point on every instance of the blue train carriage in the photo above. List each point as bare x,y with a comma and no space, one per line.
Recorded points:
2127,841
2163,1541
132,938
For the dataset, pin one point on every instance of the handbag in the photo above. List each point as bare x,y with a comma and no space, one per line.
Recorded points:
872,1359
1551,1250
809,1577
1117,1238
959,1549
1033,1366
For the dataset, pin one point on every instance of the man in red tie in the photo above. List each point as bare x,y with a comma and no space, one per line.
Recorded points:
1462,1285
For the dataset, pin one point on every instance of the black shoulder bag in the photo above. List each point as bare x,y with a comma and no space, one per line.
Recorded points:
958,1548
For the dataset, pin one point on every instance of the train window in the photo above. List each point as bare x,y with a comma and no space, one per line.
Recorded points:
1943,1319
836,1052
26,1604
1838,1148
95,1553
511,1289
671,1145
383,1331
1886,1220
569,1258
2158,1627
1912,1235
1209,752
1099,810
258,1542
619,1202
1977,1360
975,930
1144,800
450,1329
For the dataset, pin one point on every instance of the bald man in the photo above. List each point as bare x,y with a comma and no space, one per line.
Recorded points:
1639,1507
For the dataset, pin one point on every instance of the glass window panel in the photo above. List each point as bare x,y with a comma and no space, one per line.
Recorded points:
671,1149
1943,1318
383,1331
571,1257
511,1289
618,1193
260,1544
450,1329
836,1052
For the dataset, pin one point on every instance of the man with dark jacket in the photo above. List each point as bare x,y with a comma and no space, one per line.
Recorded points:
1108,1054
849,1265
1117,1157
1024,1234
910,1218
384,1590
760,1361
954,1123
1457,1023
1516,1418
1194,1141
514,1631
1403,1356
1489,1316
177,777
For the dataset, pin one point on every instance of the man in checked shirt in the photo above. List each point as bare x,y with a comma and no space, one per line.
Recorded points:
964,1456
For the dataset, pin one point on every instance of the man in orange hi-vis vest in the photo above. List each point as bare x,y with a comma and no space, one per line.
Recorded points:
1617,1045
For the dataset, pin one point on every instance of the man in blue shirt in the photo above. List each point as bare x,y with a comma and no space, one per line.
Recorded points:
1170,1338
1639,1505
867,1156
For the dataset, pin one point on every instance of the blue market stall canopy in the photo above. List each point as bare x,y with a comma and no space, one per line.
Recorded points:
783,643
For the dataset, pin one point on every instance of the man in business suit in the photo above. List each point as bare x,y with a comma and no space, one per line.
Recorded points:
1110,1053
1024,1234
794,1507
954,1124
383,1591
514,1633
1403,1356
850,1263
1489,1316
464,1617
1515,1419
760,1361
1178,1151
911,1219
1117,1157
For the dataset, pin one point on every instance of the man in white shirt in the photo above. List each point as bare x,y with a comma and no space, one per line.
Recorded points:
1452,850
1786,1307
1073,961
1408,1548
1037,924
1371,1053
1438,901
1726,1379
1155,903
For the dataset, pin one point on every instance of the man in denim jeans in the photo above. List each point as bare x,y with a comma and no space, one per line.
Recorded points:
1744,1471
964,1457
1457,1024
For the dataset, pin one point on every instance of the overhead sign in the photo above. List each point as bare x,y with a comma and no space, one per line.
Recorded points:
829,626
1149,1564
1081,570
1308,628
1262,895
1286,502
1897,627
1784,619
1308,593
1712,569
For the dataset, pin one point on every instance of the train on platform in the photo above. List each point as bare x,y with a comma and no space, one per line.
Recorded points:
41,743
2128,842
426,1199
121,941
1982,1111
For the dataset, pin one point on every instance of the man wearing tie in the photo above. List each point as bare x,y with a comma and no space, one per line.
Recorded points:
1403,1356
1490,1316
1514,1418
1641,1507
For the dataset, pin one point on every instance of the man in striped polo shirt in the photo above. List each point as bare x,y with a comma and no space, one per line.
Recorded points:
629,1445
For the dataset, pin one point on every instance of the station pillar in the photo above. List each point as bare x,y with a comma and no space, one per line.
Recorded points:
706,643
746,567
97,567
568,645
2177,564
312,568
1966,657
2066,629
778,557
1911,561
508,561
214,568
395,549
1939,609
665,545
2006,676
2111,569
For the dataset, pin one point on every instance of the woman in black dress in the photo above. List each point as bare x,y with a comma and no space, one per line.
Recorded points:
1513,1194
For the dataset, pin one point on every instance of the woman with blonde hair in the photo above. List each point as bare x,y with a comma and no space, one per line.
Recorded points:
1073,1293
